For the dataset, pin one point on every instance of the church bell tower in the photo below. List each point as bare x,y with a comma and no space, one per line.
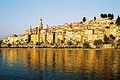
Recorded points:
41,24
39,30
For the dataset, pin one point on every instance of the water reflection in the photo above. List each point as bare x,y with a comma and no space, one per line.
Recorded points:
60,64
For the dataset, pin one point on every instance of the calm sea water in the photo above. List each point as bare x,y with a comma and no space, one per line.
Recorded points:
59,64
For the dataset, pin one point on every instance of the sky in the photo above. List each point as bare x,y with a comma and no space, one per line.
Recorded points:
17,15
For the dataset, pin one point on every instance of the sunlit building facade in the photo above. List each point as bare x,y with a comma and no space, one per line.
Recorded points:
75,32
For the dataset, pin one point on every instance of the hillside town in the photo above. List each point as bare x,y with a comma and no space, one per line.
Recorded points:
102,32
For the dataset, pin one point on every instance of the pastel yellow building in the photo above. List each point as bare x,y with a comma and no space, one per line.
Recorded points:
34,39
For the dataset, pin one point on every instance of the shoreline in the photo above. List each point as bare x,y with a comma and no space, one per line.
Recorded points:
57,48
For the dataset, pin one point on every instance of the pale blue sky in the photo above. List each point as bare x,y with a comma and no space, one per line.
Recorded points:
17,15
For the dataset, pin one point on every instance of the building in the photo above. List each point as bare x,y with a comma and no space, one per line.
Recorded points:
75,32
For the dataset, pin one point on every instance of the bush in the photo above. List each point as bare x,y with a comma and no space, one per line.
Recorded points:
39,43
106,39
118,43
98,43
112,37
9,45
118,21
69,43
86,45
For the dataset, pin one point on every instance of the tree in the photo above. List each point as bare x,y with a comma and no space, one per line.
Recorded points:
106,39
94,18
84,19
118,43
9,45
0,42
111,16
18,42
69,43
77,42
118,21
86,45
98,43
103,15
112,37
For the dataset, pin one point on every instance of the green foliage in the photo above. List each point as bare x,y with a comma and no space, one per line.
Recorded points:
109,39
103,15
18,42
0,42
98,43
86,45
69,43
118,43
77,42
39,43
94,18
110,16
118,21
112,37
84,19
106,39
9,45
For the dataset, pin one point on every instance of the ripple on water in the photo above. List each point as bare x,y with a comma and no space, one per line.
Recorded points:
59,64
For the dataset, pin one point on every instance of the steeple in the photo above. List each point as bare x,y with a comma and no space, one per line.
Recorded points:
41,24
39,30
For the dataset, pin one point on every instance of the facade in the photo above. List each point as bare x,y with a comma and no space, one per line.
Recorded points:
34,38
61,34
